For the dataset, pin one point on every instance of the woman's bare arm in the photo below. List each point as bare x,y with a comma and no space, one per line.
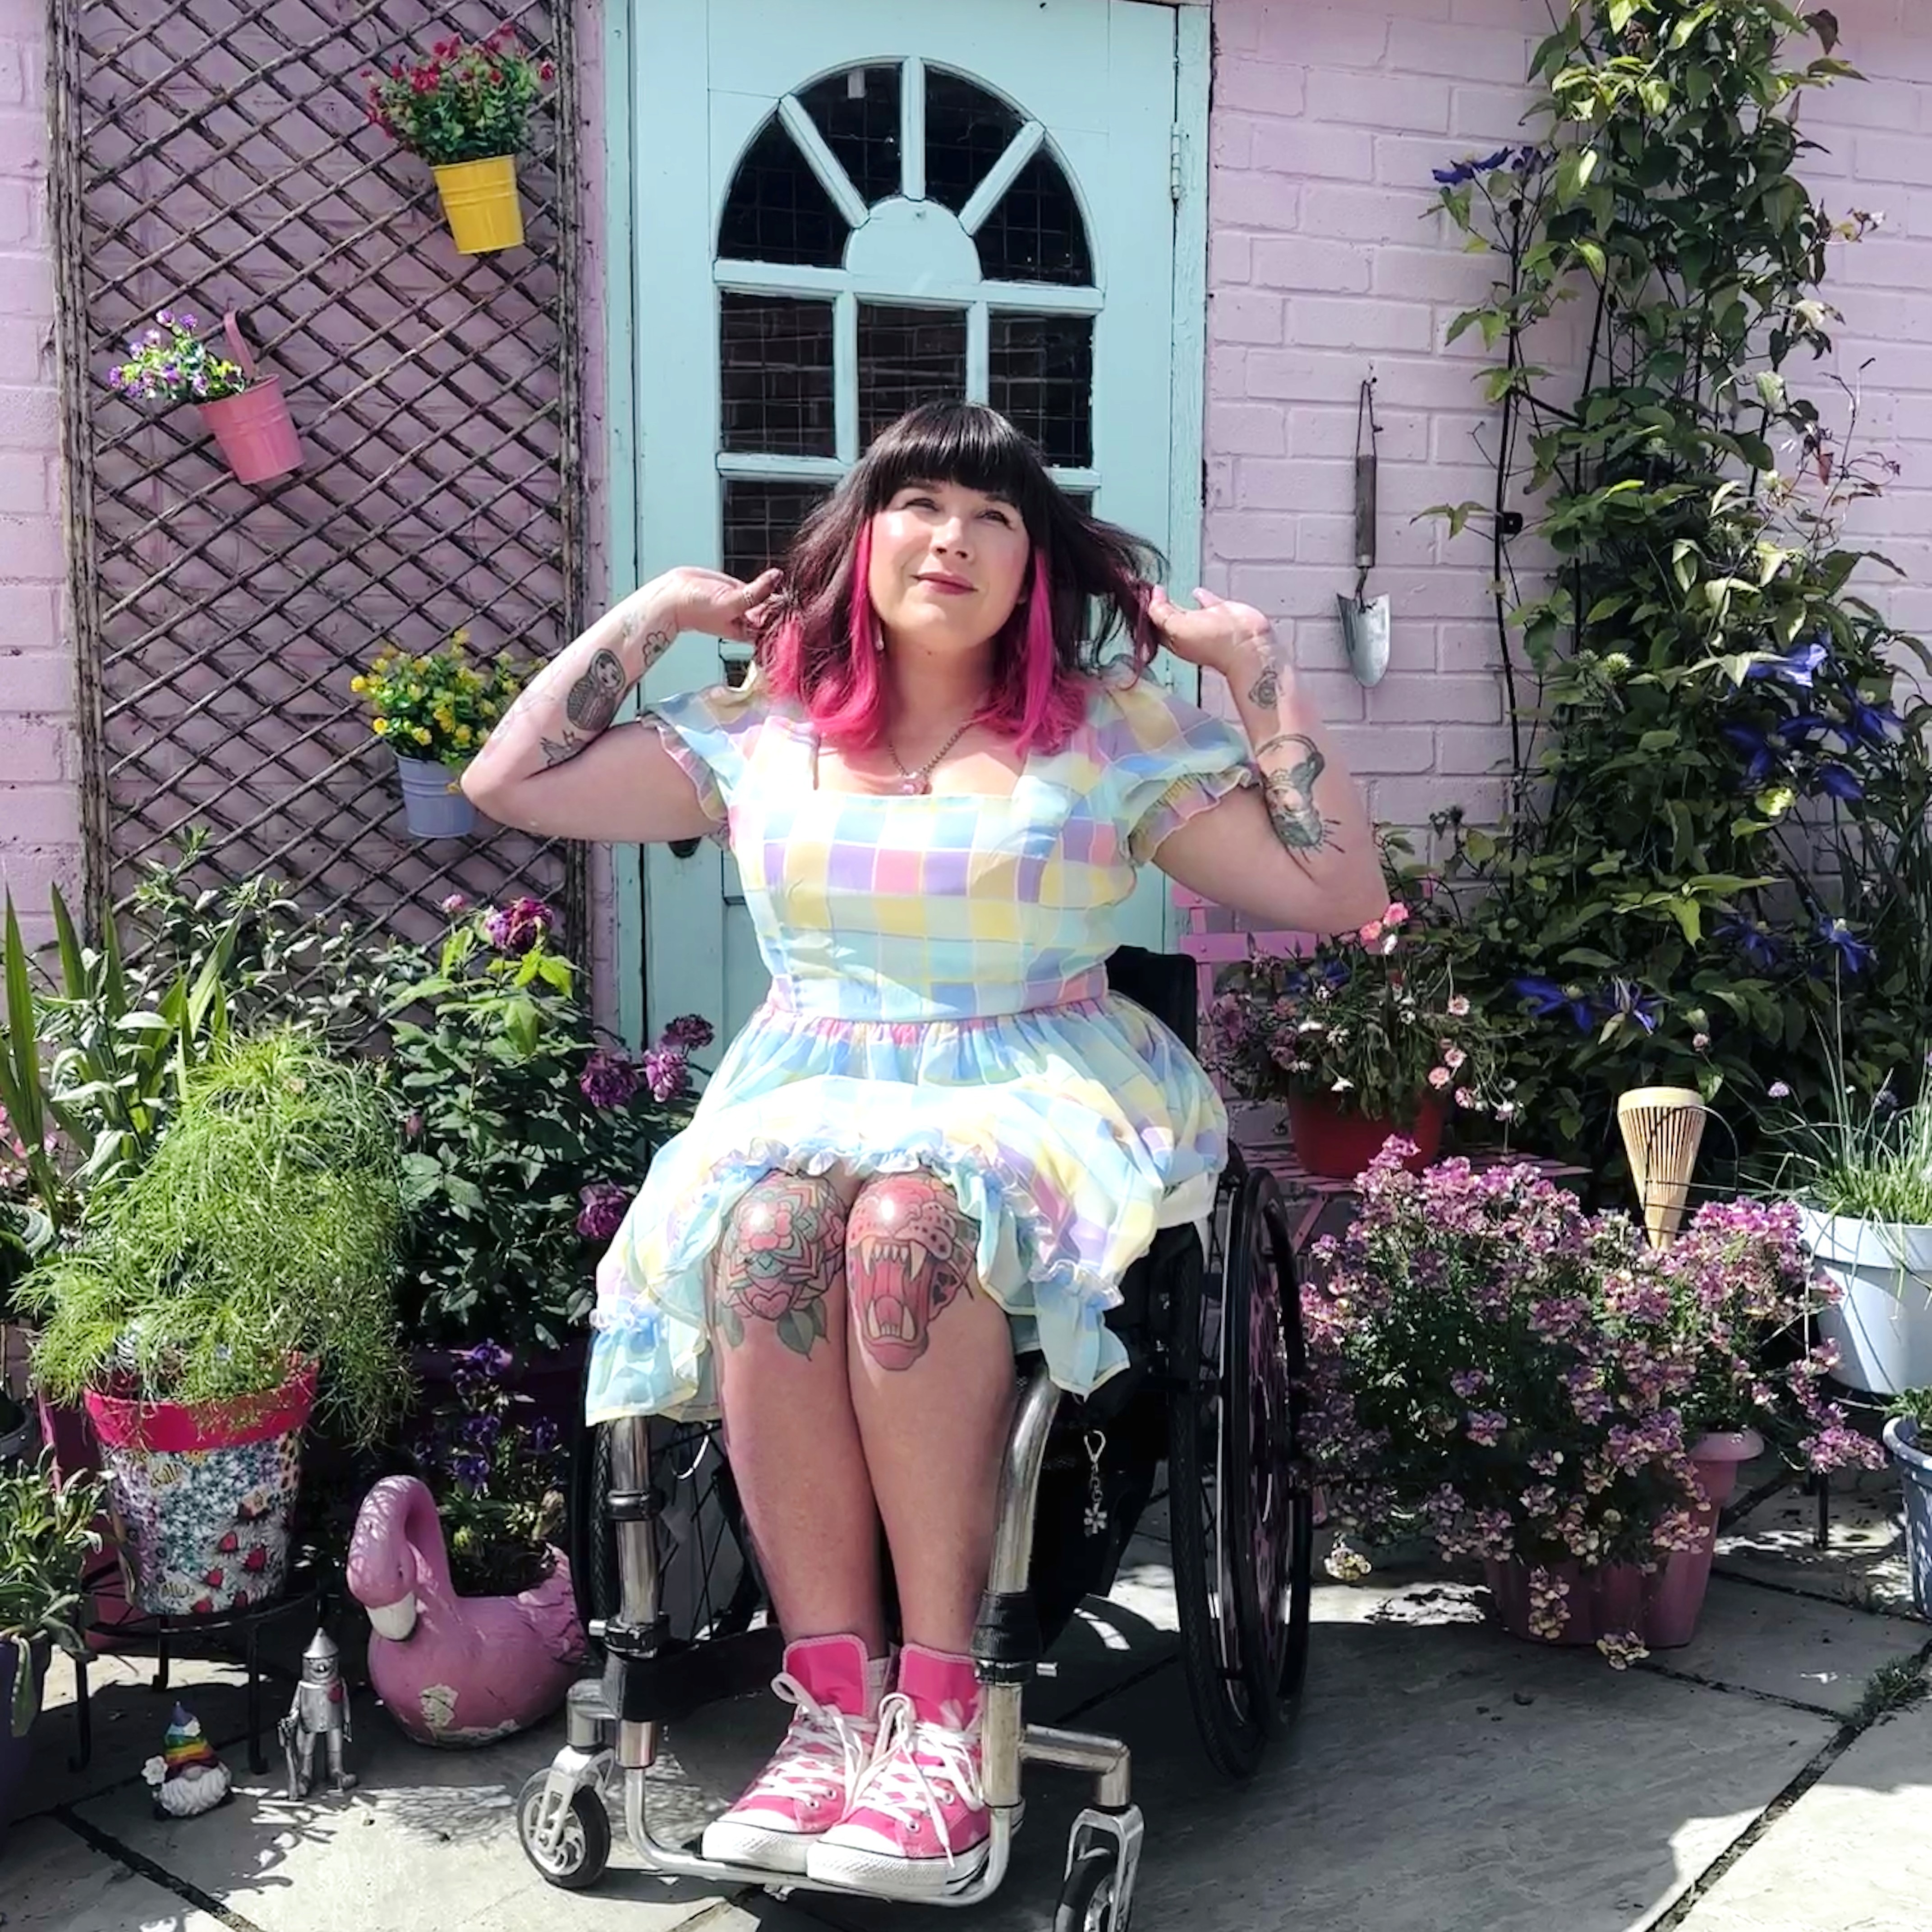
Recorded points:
1301,854
554,767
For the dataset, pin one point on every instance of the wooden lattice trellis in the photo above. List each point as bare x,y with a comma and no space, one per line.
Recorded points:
215,154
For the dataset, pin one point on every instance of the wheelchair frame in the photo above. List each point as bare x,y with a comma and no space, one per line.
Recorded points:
1243,1545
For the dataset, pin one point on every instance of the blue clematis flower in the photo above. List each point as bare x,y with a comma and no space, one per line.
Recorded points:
1800,729
1841,782
1490,164
1799,667
1854,956
1754,747
1630,1002
1547,999
1874,724
1754,941
1456,176
1532,159
1336,972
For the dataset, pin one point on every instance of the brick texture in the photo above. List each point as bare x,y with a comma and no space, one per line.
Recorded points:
40,753
1326,264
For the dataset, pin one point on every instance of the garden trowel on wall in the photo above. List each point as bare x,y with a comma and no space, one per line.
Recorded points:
1365,622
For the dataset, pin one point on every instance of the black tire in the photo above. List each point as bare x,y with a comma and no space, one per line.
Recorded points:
584,1854
1088,1901
1241,1519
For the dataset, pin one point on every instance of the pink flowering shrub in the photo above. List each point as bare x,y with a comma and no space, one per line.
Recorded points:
1519,1379
1372,1021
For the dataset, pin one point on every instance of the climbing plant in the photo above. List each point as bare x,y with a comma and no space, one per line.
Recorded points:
1716,835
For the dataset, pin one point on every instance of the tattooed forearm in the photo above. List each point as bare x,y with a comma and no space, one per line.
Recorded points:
782,1254
1266,689
1291,763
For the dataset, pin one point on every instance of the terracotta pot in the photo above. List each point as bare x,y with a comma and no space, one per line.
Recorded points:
1614,1599
1338,1144
205,1494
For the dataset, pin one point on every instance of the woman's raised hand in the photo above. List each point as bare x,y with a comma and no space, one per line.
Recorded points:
1221,635
713,603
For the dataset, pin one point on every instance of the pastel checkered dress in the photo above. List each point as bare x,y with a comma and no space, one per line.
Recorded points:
938,1000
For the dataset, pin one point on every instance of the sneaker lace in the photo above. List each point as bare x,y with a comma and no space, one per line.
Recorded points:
910,1753
821,1736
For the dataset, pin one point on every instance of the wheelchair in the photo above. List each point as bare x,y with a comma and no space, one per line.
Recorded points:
667,1584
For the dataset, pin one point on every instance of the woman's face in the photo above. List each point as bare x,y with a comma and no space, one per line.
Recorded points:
948,566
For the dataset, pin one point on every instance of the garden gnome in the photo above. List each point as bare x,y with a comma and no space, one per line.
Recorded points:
320,1710
187,1777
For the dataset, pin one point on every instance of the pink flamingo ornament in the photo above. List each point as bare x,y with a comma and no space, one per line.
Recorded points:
453,1670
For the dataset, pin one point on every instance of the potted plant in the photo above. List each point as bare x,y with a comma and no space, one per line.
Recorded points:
526,1131
464,110
473,1615
46,1536
209,1300
1541,1388
247,412
1364,1038
1908,1435
1863,1181
434,710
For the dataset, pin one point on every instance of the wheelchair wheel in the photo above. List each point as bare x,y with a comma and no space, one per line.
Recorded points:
584,1848
1088,1899
1242,1523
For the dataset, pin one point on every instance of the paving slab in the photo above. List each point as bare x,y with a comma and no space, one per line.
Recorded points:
1863,1563
1782,1643
52,1880
1852,1855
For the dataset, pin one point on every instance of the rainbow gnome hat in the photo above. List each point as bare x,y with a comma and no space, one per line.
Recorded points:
185,1745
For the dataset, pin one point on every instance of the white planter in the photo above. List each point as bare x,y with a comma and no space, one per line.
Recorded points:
1882,1324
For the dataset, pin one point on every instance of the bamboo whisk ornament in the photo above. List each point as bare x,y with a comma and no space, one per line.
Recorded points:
1663,1128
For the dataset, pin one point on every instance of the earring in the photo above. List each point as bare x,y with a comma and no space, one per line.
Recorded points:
879,639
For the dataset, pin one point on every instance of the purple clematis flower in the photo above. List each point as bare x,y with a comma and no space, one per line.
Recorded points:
1800,729
1841,782
1628,1001
1754,940
1854,956
1799,667
1873,723
1547,999
1754,747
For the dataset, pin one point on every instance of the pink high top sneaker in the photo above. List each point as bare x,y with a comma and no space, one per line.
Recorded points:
918,1820
807,1786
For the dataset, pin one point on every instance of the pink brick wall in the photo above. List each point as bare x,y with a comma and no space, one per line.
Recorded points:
1324,260
40,755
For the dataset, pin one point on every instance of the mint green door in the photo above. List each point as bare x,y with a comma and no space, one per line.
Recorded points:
841,209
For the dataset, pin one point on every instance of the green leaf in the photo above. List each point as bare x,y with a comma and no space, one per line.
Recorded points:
23,1102
26,1689
1593,257
73,968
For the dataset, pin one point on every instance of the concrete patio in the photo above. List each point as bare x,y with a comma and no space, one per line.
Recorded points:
1772,1777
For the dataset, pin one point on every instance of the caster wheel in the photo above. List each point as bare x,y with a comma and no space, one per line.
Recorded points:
583,1851
1088,1898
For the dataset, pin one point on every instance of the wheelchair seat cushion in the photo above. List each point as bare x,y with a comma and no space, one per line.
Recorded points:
940,1000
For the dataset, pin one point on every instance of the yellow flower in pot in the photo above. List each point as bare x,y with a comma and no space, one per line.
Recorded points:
435,710
464,111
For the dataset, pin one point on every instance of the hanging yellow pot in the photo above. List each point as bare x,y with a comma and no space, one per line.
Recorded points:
480,199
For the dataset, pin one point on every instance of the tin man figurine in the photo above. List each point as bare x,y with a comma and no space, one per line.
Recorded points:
320,1709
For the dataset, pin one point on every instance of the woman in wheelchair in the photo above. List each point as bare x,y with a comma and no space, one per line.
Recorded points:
941,1140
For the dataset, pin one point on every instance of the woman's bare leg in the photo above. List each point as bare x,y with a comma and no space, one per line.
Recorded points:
779,1319
932,1362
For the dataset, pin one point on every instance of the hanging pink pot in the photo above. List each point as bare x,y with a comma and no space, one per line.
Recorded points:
1616,1599
254,429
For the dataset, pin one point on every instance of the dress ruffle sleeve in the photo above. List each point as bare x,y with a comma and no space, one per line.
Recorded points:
1167,760
710,736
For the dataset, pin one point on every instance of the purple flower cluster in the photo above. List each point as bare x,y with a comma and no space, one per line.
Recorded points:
667,1070
610,1079
604,1206
519,925
1597,1361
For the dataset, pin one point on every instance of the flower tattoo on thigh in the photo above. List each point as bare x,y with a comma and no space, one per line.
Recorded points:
782,1253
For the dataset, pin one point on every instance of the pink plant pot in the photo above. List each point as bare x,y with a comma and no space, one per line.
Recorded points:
454,1671
255,431
1616,1599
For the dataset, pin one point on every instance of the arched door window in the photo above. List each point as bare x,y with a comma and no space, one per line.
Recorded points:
894,233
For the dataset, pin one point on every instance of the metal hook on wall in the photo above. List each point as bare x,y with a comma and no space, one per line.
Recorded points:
1365,625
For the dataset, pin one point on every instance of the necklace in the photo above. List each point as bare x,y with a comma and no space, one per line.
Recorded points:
921,781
